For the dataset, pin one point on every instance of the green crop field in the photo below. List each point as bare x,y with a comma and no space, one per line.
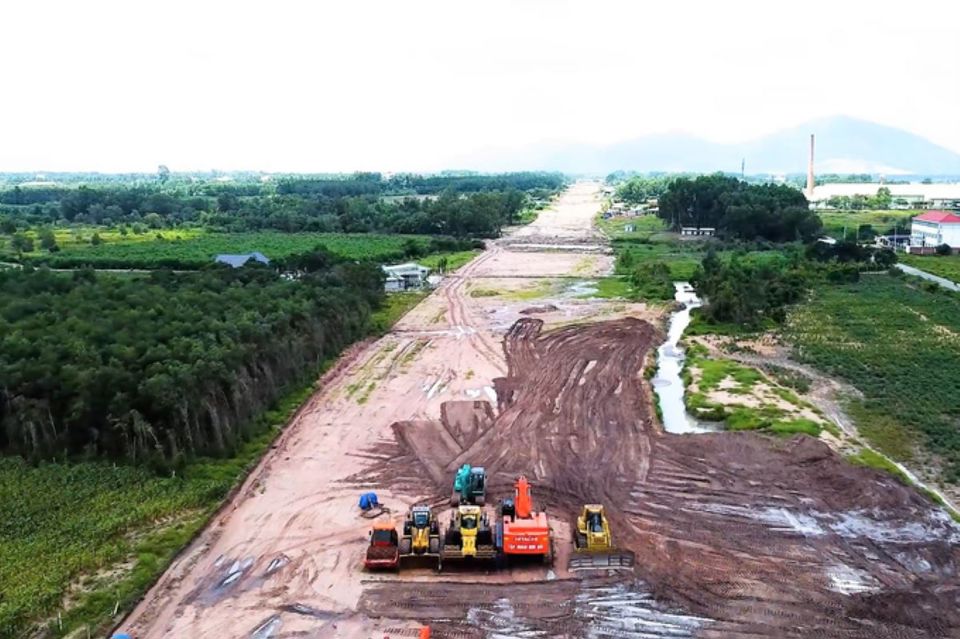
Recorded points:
65,527
79,236
199,249
947,266
898,342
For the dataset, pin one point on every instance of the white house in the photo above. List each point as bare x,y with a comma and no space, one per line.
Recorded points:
401,277
934,228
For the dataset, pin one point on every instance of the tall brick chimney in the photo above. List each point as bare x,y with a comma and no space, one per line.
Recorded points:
810,181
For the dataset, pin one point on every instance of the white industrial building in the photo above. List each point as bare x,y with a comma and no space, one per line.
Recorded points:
934,228
905,196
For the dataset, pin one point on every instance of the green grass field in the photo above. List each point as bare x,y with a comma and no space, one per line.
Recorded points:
946,266
645,227
834,222
899,343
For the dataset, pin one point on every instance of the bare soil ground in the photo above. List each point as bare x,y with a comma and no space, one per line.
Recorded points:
735,534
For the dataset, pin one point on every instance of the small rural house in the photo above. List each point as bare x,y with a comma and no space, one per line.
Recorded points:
703,231
236,261
934,228
403,277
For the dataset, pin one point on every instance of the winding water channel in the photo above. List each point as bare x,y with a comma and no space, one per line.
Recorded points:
668,384
669,387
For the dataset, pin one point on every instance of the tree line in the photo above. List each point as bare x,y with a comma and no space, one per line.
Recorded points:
882,200
738,210
416,184
157,369
477,206
638,189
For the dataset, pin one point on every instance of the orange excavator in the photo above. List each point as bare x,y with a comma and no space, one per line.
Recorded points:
523,531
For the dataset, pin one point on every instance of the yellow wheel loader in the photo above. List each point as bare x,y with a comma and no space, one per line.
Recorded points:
593,543
421,535
469,537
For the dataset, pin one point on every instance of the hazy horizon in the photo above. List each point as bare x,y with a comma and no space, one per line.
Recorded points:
113,87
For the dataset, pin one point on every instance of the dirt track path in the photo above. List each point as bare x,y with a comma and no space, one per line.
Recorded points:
291,536
746,535
736,535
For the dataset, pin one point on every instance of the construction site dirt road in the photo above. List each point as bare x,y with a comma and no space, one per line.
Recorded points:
735,534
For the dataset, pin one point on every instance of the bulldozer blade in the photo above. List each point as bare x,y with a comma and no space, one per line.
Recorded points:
613,560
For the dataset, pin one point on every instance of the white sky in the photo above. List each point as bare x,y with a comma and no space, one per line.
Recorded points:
409,85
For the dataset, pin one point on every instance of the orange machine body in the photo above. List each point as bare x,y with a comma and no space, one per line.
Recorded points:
526,532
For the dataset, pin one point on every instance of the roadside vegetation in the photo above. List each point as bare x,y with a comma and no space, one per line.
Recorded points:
946,266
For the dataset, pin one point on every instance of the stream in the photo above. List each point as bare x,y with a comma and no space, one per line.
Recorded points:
667,383
669,387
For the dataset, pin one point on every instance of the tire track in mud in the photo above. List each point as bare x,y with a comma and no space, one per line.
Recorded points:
750,535
460,317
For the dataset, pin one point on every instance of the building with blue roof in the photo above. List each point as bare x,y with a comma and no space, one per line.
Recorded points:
236,261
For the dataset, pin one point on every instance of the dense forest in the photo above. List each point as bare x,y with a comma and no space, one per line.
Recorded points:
155,369
461,206
737,210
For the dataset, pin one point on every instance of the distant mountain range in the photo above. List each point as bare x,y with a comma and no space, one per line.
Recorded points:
843,145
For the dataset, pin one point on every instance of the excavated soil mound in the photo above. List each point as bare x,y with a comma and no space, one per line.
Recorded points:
742,534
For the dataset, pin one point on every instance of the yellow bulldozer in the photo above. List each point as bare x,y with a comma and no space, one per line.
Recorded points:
593,543
469,537
421,535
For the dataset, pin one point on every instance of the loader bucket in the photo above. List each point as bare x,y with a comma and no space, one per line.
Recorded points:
611,560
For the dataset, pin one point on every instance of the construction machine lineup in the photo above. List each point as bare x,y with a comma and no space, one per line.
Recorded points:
519,532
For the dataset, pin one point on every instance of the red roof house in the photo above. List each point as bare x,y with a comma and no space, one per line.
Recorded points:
939,217
933,229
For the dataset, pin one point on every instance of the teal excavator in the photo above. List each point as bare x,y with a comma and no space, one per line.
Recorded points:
469,486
